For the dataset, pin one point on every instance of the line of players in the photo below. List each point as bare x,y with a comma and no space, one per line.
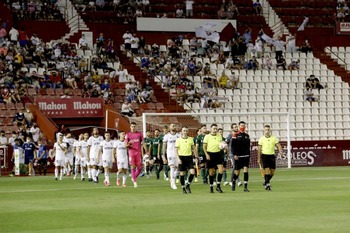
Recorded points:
155,152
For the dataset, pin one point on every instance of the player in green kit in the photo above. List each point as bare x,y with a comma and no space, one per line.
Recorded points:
166,167
147,158
201,155
156,151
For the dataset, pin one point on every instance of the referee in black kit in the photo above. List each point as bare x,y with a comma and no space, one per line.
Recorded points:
240,148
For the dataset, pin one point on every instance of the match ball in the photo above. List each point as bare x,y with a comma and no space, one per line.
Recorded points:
146,158
222,145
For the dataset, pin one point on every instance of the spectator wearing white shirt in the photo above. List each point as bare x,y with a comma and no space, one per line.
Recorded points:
290,43
35,131
134,44
279,47
127,40
3,138
127,109
189,8
83,42
14,35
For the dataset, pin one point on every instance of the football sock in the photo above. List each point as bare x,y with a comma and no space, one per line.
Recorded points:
61,173
172,173
235,177
190,178
138,171
124,178
182,181
93,173
203,173
246,177
269,177
224,176
97,172
133,175
219,178
211,180
176,173
156,168
56,172
166,170
147,170
89,172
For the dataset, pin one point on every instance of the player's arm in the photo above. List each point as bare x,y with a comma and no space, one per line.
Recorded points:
79,152
114,155
53,152
177,153
99,153
150,150
163,152
233,148
144,148
259,154
279,147
205,151
88,152
158,151
194,151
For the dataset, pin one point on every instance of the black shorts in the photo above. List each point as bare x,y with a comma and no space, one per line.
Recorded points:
215,159
186,163
268,161
242,162
28,159
202,159
156,160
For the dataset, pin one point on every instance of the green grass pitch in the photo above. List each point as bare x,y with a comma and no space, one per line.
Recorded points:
301,200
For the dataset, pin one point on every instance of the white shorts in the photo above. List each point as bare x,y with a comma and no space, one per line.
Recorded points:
172,160
100,162
83,162
123,164
59,163
107,163
77,160
93,161
69,160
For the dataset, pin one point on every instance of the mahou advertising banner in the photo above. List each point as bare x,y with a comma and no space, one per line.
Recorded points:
71,107
343,28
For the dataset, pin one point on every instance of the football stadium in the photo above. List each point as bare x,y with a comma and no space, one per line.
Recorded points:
195,116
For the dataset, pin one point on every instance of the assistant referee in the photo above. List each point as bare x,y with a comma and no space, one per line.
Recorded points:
215,160
184,147
266,155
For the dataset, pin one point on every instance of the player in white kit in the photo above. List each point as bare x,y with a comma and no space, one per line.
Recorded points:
59,150
83,155
69,140
106,150
121,155
169,147
76,155
94,145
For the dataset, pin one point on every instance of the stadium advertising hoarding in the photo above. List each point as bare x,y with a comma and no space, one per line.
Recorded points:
71,107
343,28
319,153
